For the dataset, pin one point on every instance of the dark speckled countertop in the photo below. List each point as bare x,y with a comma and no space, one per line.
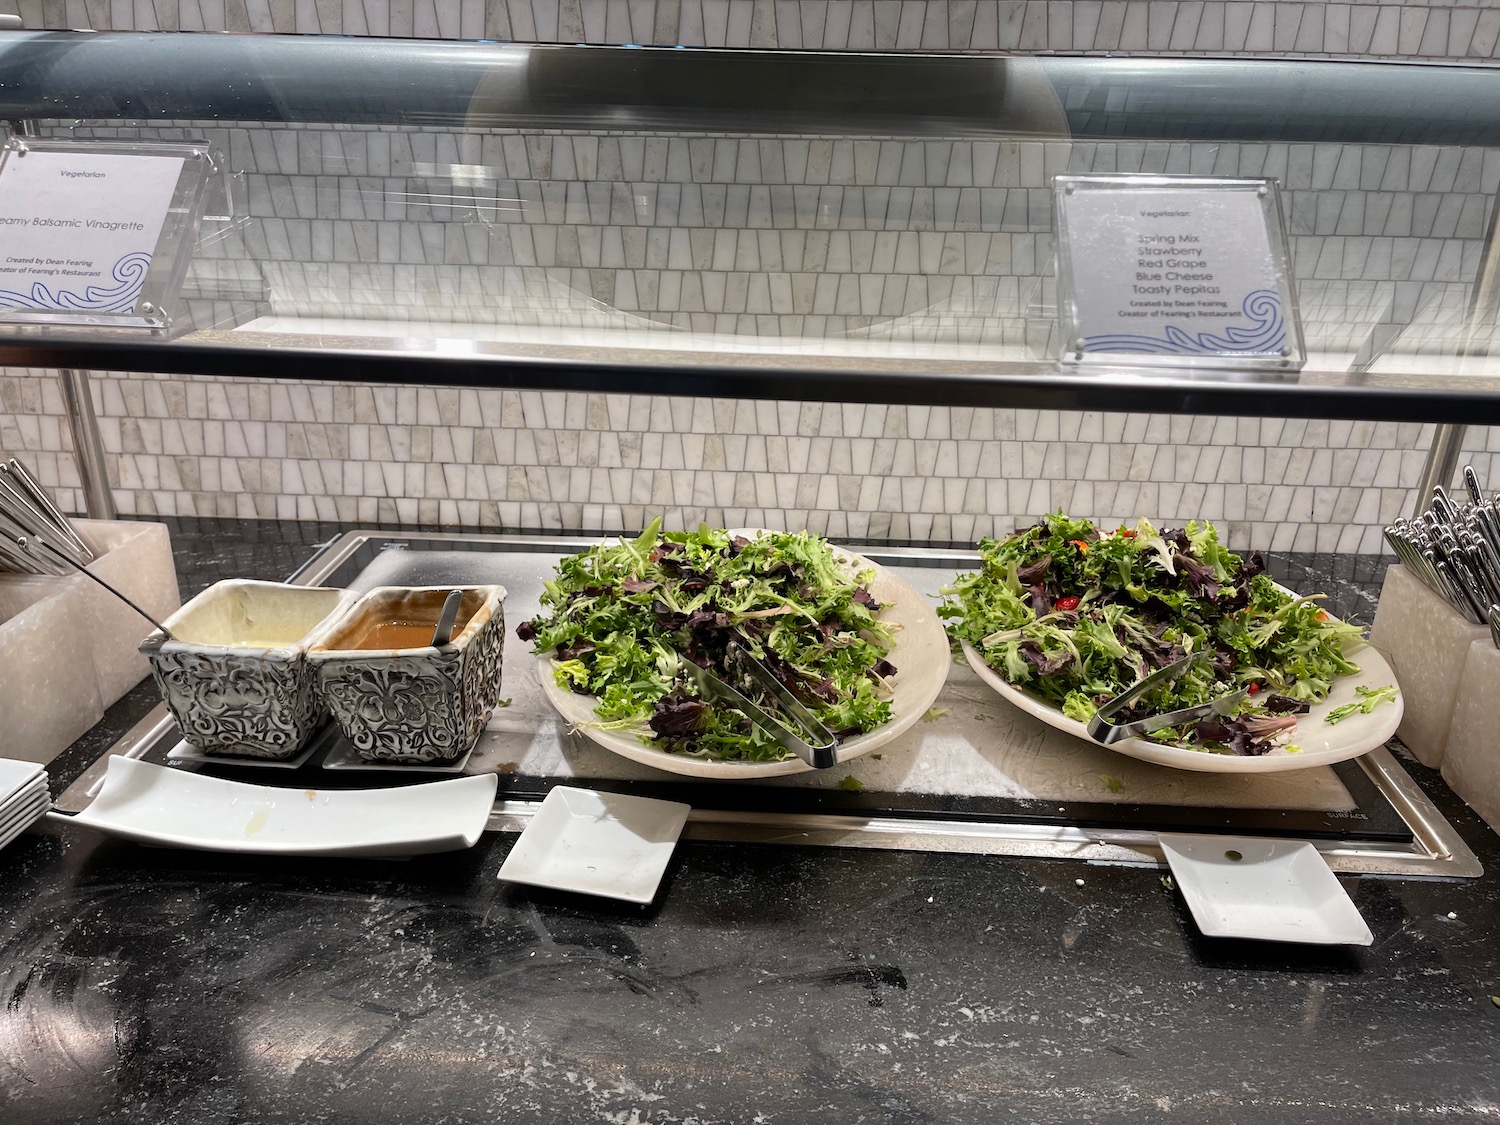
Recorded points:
769,984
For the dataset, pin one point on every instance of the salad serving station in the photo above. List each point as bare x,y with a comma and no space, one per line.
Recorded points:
963,770
963,928
1080,823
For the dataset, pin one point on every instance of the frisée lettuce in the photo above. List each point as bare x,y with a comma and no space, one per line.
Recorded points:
1077,615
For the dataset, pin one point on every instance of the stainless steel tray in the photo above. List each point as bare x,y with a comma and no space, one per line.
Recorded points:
981,778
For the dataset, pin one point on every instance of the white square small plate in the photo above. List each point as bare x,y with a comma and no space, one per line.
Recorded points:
344,756
187,752
1272,890
16,820
26,794
597,844
16,775
20,818
23,804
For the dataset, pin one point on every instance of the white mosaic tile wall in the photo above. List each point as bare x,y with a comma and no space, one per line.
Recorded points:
408,455
1423,29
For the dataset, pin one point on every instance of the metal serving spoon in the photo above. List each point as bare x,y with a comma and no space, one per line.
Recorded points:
444,631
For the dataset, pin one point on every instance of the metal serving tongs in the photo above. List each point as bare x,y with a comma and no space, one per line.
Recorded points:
810,740
1103,731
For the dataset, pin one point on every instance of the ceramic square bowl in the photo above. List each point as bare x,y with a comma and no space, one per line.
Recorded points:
396,697
235,673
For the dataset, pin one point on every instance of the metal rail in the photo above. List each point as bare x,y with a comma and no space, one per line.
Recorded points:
1040,384
60,74
88,444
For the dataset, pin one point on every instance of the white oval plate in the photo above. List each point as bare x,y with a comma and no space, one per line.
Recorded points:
177,809
1322,744
920,654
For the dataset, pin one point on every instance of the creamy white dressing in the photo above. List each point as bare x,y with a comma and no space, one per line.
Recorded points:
254,616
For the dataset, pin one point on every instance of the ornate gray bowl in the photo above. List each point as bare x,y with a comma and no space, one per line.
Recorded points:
235,674
397,699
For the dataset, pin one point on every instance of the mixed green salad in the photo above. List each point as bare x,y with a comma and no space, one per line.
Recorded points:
619,620
1077,615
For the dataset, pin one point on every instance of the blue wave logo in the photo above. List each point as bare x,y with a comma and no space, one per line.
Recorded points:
1266,334
129,274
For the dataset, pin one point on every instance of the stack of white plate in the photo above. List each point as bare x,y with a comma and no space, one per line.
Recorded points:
24,797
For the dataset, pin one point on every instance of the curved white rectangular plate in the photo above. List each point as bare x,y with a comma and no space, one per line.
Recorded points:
1272,890
175,808
597,843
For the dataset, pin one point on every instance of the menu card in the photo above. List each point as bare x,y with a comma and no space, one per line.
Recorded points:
78,229
1180,270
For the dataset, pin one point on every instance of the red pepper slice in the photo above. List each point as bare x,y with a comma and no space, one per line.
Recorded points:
1069,602
1253,688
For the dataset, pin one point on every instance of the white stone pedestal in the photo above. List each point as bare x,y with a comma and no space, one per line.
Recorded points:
1471,766
1427,642
68,647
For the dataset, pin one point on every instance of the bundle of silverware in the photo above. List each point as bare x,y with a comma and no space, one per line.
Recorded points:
33,531
1455,549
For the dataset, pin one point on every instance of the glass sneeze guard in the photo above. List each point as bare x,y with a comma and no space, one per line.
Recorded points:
775,225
